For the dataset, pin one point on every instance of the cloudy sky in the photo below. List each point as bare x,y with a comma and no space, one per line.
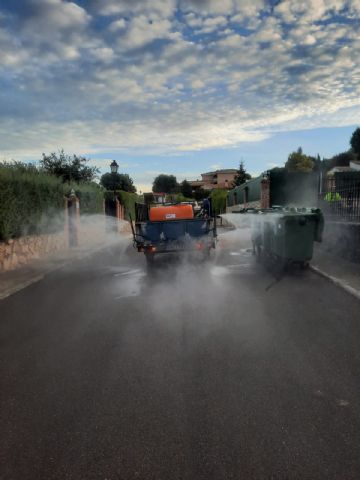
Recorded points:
166,86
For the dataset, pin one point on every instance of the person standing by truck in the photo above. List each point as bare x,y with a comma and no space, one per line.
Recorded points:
206,208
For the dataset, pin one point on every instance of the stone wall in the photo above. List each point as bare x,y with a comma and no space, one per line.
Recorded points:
87,232
20,251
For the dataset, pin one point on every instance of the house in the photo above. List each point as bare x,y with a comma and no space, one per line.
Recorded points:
355,165
217,179
340,170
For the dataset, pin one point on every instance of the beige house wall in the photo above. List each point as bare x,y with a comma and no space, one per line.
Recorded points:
218,179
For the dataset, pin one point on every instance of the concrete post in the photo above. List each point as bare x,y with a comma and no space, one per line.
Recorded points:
118,208
73,217
66,221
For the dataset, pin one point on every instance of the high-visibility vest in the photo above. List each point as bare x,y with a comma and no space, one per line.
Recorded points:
332,197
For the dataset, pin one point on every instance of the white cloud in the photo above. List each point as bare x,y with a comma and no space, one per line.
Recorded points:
309,40
104,54
193,20
273,165
164,8
75,85
314,10
213,23
143,30
197,84
247,13
215,166
52,30
117,25
54,16
208,7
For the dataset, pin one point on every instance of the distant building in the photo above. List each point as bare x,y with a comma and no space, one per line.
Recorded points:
340,170
155,197
355,165
351,171
218,179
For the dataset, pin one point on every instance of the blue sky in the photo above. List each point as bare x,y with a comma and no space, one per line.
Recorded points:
178,86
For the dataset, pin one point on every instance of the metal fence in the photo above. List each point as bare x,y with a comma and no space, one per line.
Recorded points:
340,197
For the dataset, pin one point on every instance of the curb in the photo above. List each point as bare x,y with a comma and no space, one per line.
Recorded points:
36,277
7,292
339,283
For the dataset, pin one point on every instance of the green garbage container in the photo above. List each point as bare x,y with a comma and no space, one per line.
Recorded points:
288,234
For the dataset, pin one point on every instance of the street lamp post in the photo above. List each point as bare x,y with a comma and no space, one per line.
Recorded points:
114,167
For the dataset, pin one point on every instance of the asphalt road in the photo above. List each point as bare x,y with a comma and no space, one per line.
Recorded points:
192,371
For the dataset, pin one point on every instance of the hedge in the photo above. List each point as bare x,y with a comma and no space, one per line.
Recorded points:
27,200
91,197
127,199
32,202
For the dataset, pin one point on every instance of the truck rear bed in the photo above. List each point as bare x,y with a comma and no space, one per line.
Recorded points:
175,235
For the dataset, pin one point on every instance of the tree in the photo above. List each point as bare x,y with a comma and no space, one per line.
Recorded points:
318,164
342,159
299,162
200,194
355,142
165,184
68,168
241,176
118,181
186,189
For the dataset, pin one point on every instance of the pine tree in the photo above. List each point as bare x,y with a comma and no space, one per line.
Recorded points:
242,176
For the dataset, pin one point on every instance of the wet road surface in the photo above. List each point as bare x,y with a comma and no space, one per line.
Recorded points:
187,371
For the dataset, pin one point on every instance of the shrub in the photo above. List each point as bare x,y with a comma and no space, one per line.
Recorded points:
29,201
32,202
218,199
127,199
91,197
